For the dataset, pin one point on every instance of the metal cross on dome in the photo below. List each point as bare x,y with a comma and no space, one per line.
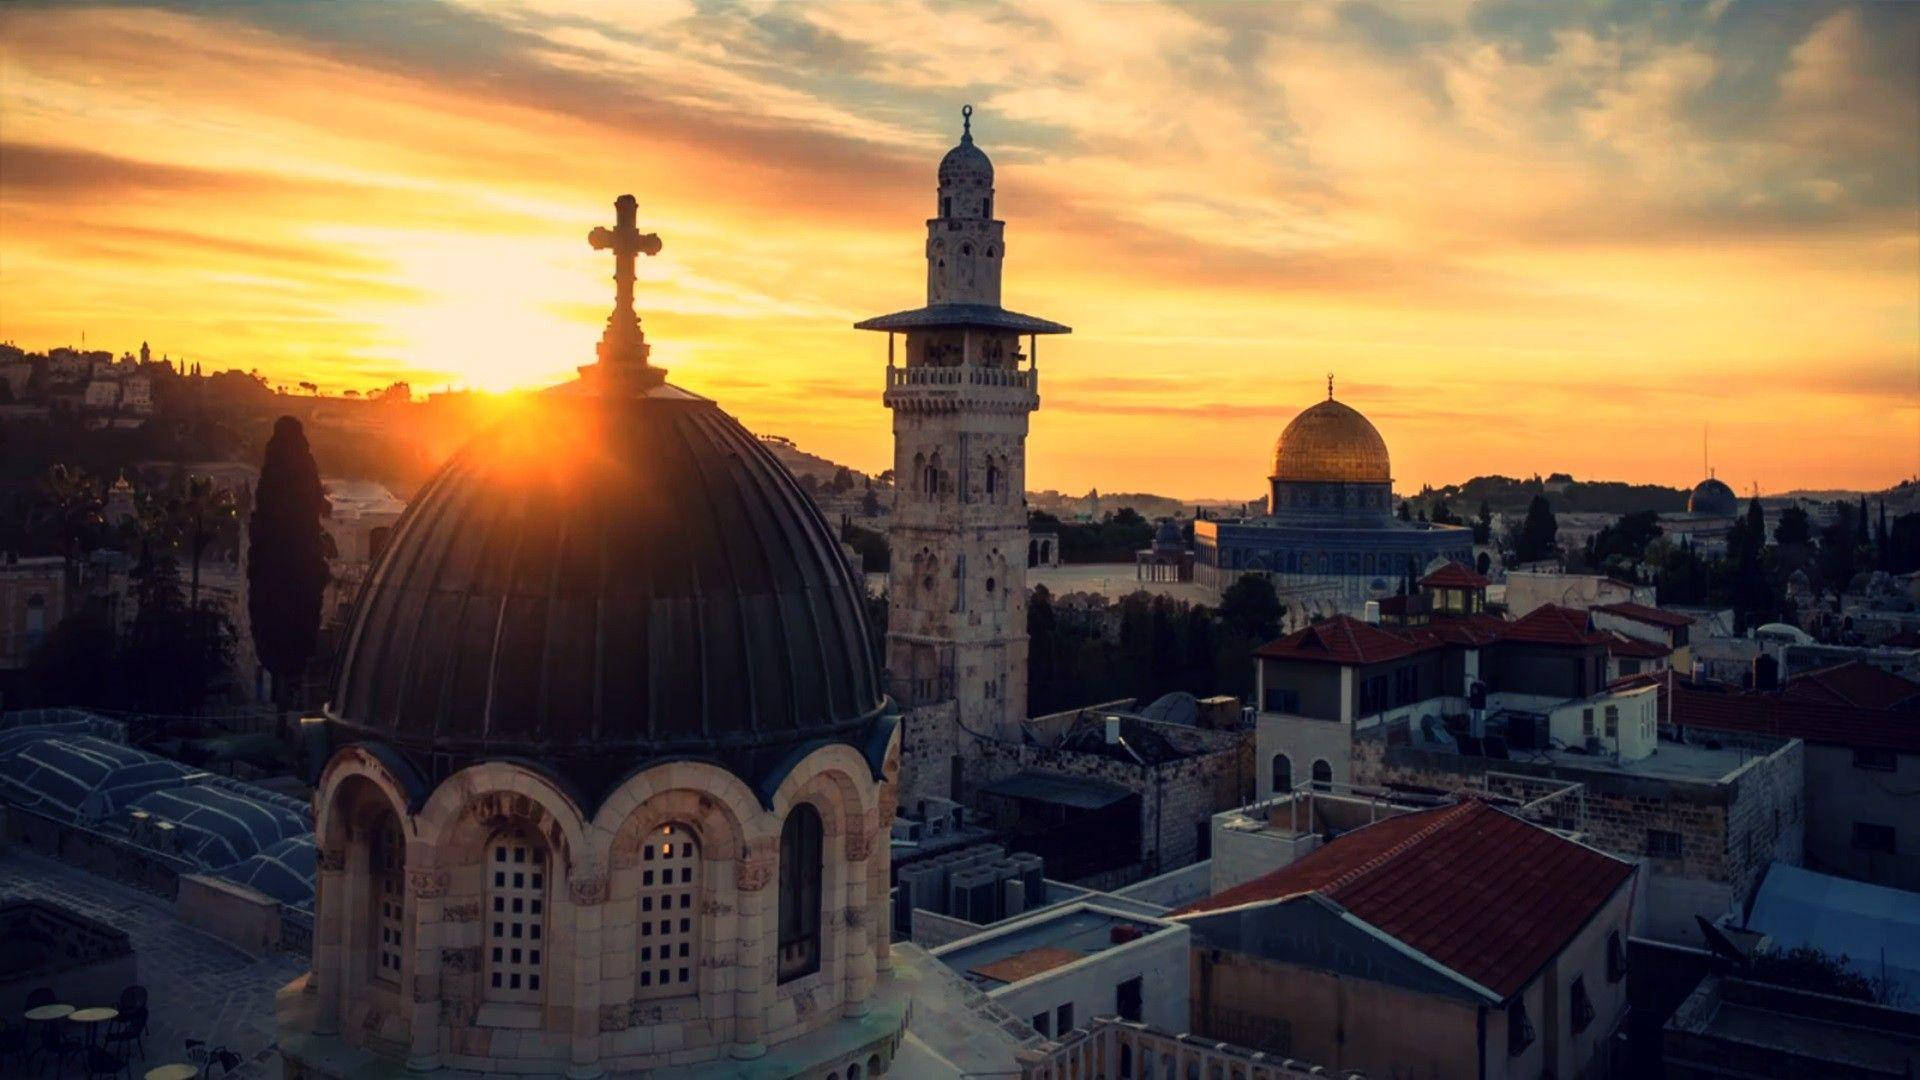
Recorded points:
623,340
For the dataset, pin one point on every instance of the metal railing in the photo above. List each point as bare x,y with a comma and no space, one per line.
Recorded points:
963,375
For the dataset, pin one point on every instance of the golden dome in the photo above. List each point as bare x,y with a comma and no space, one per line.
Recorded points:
1331,443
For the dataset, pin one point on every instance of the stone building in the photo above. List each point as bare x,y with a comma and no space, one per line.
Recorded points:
1104,796
960,395
605,781
1329,540
1861,727
1460,941
1455,701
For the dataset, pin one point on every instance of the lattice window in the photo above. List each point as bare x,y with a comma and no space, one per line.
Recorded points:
386,861
516,917
668,914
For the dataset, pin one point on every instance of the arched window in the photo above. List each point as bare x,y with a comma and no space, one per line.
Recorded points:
668,903
516,916
800,874
1282,774
993,481
946,206
387,880
1322,776
1126,1062
920,470
966,249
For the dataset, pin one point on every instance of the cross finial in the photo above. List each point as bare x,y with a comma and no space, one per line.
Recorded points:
1329,386
623,347
966,123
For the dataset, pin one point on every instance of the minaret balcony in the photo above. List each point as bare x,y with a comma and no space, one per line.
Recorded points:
962,386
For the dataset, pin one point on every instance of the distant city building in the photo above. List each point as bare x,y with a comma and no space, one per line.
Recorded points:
1329,540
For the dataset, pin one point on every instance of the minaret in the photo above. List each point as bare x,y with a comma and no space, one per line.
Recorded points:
960,388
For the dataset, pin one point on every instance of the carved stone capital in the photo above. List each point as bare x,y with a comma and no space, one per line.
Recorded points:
331,860
752,875
427,884
587,891
859,843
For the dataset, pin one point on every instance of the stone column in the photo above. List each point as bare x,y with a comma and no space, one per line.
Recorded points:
329,937
426,908
755,935
589,896
859,941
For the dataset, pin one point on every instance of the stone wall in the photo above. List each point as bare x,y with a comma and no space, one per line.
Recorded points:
245,918
926,752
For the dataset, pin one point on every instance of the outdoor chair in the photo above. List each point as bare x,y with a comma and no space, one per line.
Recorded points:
13,1041
59,1043
126,1032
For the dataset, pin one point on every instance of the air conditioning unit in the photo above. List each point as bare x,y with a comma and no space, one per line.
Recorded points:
971,894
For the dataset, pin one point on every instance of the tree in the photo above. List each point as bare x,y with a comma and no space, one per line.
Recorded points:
1883,540
1406,511
1127,516
204,513
1443,514
1483,563
1250,608
1534,539
287,558
1793,528
1626,538
870,503
842,481
1483,525
1805,967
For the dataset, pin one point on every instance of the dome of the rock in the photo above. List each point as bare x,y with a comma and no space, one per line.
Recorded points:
1331,443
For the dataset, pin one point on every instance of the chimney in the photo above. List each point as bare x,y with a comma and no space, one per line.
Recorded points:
1373,612
1113,730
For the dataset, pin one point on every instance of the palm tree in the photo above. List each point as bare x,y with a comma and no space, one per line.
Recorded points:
72,500
205,512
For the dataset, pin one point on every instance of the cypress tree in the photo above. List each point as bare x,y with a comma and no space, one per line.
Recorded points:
287,558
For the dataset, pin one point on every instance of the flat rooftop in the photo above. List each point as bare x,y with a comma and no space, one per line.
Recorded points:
1670,761
999,958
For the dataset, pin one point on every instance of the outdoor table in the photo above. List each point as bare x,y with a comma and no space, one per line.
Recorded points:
49,1012
92,1019
173,1072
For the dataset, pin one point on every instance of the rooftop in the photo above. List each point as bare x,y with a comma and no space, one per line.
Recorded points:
1800,1031
1856,683
1695,703
1652,616
1477,890
1453,575
1053,940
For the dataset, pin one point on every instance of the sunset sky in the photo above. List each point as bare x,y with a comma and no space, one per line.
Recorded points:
1526,238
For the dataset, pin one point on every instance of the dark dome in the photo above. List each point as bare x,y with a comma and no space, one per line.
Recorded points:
1714,498
606,579
1167,536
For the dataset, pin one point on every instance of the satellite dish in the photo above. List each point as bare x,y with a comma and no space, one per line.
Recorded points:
1723,946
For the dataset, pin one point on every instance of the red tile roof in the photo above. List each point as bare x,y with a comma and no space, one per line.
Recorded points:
1344,639
1553,624
1453,575
1652,616
1713,707
1472,887
1635,648
1856,683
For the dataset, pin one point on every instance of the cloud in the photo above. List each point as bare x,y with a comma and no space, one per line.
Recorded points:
1488,214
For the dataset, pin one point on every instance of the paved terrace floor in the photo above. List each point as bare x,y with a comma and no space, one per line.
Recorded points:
198,987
